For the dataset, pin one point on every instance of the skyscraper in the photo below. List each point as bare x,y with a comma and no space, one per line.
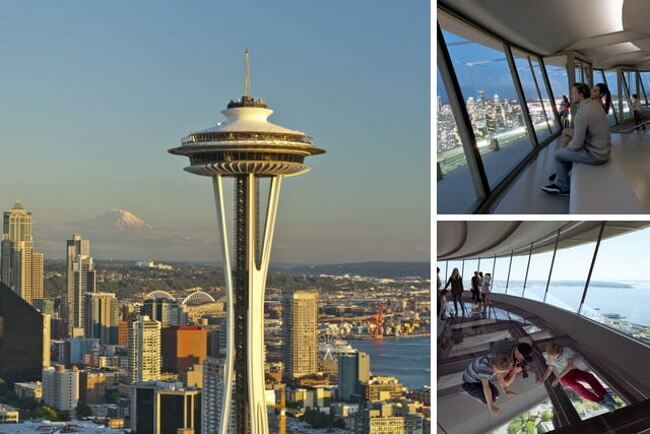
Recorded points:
300,325
144,350
24,338
101,311
353,372
80,277
211,401
248,148
20,268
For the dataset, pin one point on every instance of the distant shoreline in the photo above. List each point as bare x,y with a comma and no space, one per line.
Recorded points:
369,338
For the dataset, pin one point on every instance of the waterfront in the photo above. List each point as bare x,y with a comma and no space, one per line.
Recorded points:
408,359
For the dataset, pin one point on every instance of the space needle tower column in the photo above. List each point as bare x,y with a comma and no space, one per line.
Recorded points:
248,148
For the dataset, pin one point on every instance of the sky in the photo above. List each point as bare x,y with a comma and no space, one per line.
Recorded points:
95,93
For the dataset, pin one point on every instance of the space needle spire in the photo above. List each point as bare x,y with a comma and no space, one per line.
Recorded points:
247,74
247,148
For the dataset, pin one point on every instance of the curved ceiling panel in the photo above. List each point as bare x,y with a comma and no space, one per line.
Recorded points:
473,239
609,32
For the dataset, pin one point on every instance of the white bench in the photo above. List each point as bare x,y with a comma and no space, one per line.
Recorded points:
603,189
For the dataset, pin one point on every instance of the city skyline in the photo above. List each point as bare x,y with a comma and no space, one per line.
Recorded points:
143,86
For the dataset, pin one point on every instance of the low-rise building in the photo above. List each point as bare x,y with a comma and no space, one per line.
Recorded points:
32,390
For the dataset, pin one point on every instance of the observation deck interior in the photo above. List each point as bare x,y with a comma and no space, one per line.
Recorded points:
614,342
503,69
466,336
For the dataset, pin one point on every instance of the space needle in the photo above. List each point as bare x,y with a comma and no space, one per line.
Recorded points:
248,148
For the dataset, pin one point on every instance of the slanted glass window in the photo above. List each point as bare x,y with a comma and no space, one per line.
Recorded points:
558,78
570,273
645,81
619,292
532,89
456,192
599,77
630,79
625,97
612,83
551,120
487,87
540,264
500,275
443,271
517,275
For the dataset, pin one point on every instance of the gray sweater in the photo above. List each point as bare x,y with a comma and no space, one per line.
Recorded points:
591,130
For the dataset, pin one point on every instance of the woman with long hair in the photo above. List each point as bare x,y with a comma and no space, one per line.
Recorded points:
456,283
600,92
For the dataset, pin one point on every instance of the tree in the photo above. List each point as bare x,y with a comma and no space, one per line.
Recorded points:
47,413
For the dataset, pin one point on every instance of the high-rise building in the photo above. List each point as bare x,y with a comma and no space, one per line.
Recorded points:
101,312
80,278
165,408
21,268
164,310
144,350
353,373
24,338
61,387
183,347
250,149
123,333
300,325
212,399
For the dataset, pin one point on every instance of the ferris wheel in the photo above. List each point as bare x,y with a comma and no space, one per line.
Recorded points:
330,346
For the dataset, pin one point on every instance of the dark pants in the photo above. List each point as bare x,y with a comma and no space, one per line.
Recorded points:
637,118
476,295
476,390
458,297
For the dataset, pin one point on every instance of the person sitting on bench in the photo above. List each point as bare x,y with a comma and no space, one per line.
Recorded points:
591,142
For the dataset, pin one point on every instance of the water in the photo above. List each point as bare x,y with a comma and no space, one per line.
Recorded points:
408,359
630,299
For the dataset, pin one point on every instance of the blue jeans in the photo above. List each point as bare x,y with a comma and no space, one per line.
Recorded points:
565,159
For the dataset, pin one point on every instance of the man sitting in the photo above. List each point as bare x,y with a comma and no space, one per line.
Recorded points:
591,143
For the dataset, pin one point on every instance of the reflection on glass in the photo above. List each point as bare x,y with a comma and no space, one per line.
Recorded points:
489,93
456,192
534,100
619,291
569,276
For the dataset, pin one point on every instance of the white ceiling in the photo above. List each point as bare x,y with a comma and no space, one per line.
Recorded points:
608,32
473,239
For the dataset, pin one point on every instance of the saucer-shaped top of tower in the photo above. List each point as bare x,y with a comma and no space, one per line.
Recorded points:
247,143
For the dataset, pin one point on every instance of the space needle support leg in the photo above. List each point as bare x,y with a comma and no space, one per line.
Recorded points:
257,283
217,183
